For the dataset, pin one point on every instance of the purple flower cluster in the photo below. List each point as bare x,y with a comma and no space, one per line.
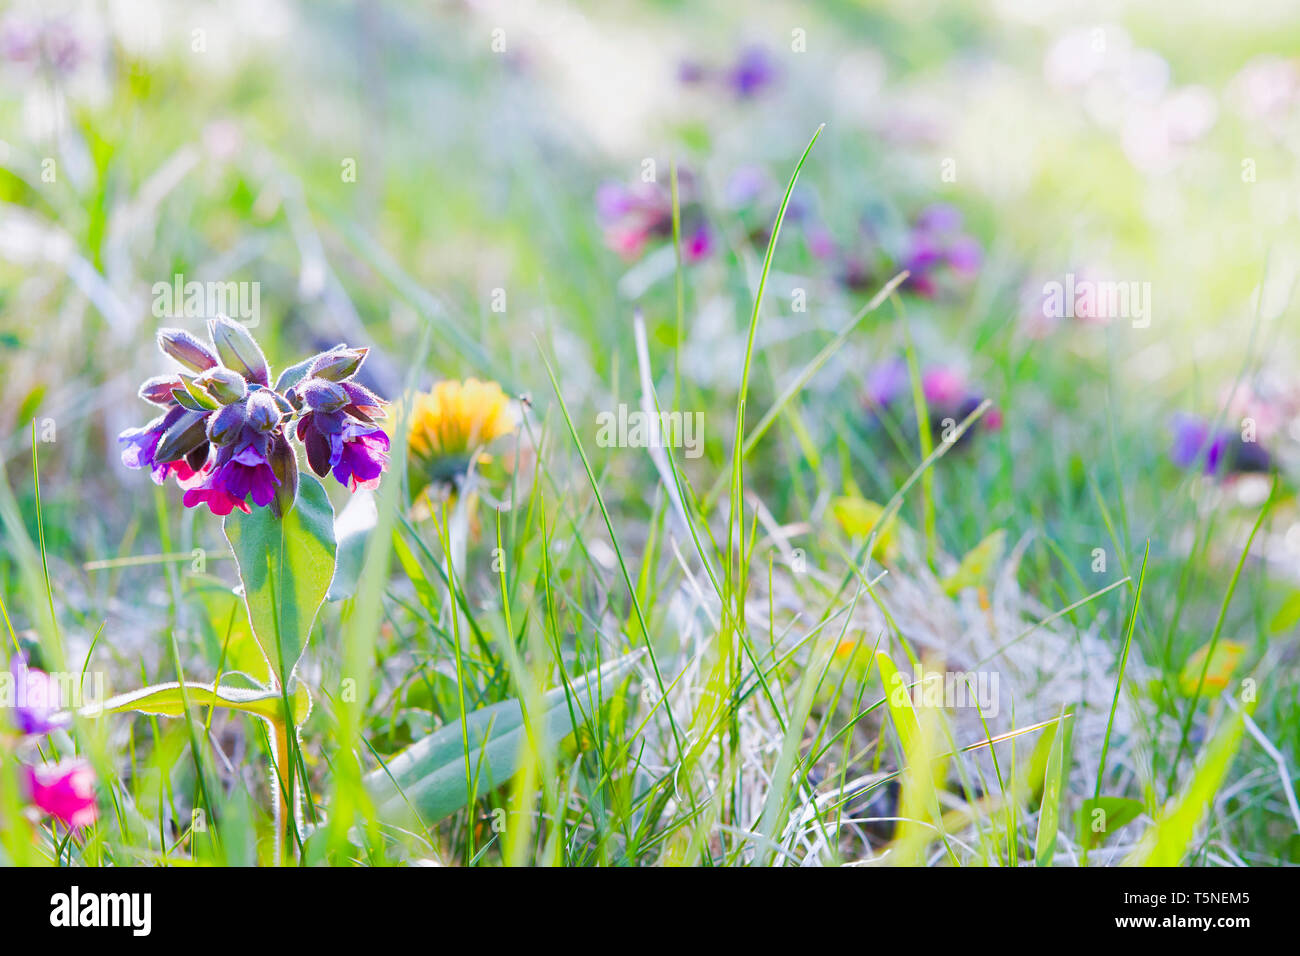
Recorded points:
751,74
224,433
936,242
948,396
1219,453
933,250
632,216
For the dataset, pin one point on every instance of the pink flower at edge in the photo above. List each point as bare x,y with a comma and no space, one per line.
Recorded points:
65,792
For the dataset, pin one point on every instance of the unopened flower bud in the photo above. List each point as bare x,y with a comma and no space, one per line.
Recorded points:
284,463
188,433
223,385
321,395
226,425
159,389
338,363
263,411
239,351
186,349
362,401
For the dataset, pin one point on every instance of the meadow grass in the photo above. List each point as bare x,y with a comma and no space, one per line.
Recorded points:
628,656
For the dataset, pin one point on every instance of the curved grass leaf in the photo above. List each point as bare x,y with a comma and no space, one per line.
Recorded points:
1099,817
286,565
1168,840
166,700
1054,783
429,776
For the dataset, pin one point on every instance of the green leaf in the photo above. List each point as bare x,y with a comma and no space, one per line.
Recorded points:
194,398
286,565
1100,817
1166,842
978,564
355,522
1226,657
1287,616
429,776
293,375
165,700
858,516
1049,811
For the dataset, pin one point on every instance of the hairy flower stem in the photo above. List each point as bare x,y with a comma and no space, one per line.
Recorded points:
281,782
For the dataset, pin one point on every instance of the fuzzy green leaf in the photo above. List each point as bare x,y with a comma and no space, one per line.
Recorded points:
286,565
355,522
429,776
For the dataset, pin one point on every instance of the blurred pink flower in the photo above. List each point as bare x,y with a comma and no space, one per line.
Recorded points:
943,385
65,792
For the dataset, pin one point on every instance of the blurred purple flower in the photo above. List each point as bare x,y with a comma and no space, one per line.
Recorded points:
948,397
1192,440
886,382
935,243
698,245
940,217
942,385
745,186
631,216
1222,453
691,72
754,71
36,699
613,201
821,244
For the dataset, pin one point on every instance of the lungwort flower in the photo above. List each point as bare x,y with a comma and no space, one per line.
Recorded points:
452,422
225,432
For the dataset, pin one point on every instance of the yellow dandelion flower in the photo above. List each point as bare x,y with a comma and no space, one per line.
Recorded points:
452,421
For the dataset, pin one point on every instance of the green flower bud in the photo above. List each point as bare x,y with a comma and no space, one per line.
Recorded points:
338,363
263,411
222,384
239,351
227,424
188,433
